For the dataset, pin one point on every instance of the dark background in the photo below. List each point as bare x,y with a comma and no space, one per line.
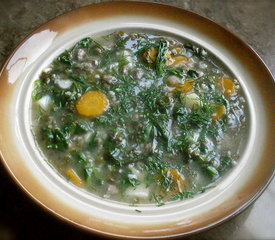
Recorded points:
252,20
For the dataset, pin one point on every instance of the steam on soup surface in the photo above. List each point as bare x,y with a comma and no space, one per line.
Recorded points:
138,118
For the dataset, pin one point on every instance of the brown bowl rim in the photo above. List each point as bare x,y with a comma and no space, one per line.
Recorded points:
61,27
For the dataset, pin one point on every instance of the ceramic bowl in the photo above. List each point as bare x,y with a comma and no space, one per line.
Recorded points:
39,180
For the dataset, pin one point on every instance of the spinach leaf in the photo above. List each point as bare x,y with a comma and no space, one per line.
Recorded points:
127,181
85,42
93,142
80,127
79,157
55,138
192,74
147,132
39,89
92,175
66,58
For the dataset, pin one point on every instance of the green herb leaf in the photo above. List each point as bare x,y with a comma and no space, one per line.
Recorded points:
183,195
212,171
177,72
161,59
197,51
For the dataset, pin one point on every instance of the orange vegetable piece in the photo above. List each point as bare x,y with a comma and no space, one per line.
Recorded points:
178,59
187,86
74,177
178,49
92,104
169,60
219,112
228,86
177,177
150,55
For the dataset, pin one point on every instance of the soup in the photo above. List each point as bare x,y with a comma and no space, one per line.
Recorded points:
138,117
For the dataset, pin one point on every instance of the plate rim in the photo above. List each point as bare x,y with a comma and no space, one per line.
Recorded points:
39,203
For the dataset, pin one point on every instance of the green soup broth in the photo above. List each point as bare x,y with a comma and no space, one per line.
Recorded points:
139,118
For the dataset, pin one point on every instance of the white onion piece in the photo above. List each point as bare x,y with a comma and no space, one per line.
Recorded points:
45,102
81,54
63,83
173,81
191,100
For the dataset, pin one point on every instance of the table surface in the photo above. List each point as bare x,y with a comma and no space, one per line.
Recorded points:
252,20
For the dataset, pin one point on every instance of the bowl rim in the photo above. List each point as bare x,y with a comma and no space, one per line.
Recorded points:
131,4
